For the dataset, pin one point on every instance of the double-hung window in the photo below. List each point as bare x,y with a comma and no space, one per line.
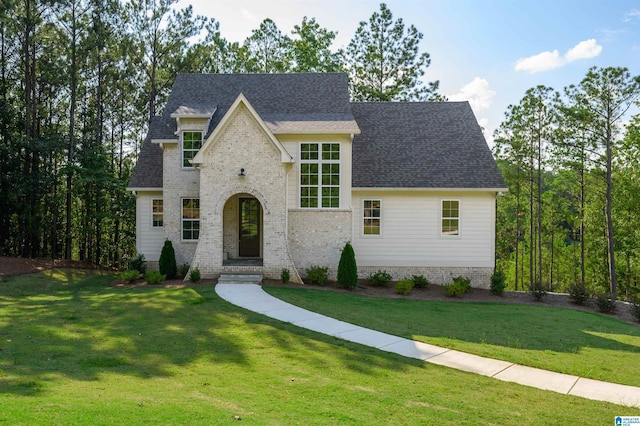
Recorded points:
371,217
191,143
190,219
450,217
320,175
157,213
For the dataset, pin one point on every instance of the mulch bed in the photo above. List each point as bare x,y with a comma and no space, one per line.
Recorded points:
10,266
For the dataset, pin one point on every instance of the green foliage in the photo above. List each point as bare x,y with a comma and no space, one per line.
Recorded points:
267,50
129,276
194,275
347,268
634,307
167,262
498,282
311,49
403,287
379,279
463,282
317,275
538,291
420,281
285,276
154,277
458,287
604,303
138,263
578,294
183,270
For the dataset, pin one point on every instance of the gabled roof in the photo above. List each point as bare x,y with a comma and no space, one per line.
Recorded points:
421,145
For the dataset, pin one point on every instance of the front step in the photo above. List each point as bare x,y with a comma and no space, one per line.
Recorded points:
240,279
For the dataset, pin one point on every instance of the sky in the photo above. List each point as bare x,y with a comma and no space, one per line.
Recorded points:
488,52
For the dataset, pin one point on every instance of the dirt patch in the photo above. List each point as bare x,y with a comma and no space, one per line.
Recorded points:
10,266
173,283
437,293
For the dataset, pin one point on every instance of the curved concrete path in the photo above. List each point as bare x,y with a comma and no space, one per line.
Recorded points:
254,298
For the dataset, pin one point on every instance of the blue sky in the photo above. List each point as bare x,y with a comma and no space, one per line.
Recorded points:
486,51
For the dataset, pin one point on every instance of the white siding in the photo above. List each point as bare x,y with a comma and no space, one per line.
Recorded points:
410,230
149,240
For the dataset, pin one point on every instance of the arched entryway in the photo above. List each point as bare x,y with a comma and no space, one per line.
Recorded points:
243,229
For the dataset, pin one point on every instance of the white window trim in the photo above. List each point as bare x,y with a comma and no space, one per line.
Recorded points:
442,234
182,147
319,162
152,214
363,218
182,219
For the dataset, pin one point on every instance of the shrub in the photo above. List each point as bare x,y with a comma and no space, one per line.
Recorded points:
498,282
464,282
379,279
285,276
578,294
194,275
347,268
538,291
137,263
167,262
129,276
419,281
183,270
404,286
154,277
454,289
634,307
317,275
604,303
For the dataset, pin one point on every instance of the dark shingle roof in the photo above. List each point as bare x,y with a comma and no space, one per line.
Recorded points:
421,145
148,170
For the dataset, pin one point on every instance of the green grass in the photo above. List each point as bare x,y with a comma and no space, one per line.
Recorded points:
74,350
564,340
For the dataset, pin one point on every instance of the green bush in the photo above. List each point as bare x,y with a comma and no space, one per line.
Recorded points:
498,282
183,270
578,294
379,279
604,303
194,275
154,277
167,263
404,286
463,282
129,276
634,307
137,263
347,268
420,281
454,289
317,275
285,276
538,291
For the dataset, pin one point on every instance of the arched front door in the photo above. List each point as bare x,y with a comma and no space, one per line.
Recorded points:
250,229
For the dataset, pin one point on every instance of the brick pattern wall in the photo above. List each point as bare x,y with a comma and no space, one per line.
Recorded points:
317,237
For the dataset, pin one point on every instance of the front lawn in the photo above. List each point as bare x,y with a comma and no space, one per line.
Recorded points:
564,340
74,350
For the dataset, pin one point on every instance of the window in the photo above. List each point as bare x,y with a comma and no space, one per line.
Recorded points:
191,143
320,175
157,213
371,217
450,217
190,219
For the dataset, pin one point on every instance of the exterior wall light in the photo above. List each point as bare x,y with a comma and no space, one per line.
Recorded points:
241,174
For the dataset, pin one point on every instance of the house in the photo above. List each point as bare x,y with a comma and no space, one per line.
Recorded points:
261,172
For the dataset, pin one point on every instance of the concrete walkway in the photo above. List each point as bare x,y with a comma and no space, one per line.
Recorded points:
254,298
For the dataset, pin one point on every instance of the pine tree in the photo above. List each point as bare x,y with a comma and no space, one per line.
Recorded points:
347,268
167,263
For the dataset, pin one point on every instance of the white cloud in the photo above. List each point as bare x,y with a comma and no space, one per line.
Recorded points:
546,61
632,15
583,50
477,92
541,62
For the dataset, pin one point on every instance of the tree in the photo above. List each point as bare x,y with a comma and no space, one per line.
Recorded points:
167,262
384,64
266,50
347,268
600,102
310,48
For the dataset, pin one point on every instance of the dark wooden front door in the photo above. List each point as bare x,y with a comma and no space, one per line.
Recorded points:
249,228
